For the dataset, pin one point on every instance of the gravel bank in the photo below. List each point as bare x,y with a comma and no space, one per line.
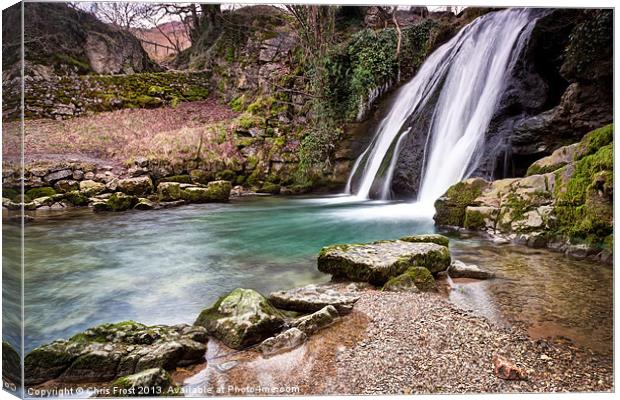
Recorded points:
400,343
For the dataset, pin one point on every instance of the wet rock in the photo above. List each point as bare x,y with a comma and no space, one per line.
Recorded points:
241,318
107,351
285,341
459,269
505,369
314,322
312,298
140,186
379,261
151,382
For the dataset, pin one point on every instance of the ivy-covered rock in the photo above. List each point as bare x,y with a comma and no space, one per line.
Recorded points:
241,318
379,261
108,351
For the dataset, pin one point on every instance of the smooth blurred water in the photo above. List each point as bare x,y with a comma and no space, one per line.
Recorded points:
164,266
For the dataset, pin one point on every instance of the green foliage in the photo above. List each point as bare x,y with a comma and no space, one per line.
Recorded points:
591,43
35,193
596,139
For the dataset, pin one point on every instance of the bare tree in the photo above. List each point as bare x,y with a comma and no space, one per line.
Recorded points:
125,15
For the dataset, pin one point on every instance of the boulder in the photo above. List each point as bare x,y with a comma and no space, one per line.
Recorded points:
200,176
150,382
312,298
421,278
428,238
66,185
144,204
450,208
285,341
316,321
92,188
107,351
459,269
216,191
58,175
169,191
559,158
241,318
379,261
139,186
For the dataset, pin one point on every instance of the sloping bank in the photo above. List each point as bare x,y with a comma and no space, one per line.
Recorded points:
565,202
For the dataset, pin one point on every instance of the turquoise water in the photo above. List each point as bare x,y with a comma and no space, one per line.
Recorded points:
164,266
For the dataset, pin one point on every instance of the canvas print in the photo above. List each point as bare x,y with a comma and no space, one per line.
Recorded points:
204,199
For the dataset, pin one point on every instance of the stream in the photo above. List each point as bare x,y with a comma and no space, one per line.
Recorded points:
165,266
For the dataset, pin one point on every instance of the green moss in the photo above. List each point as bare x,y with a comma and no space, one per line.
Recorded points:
596,139
121,202
40,192
269,187
584,207
144,101
76,198
450,208
422,278
238,103
474,220
12,194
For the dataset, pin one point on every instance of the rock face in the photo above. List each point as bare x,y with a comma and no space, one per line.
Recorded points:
313,298
379,261
563,208
150,382
459,269
114,350
241,318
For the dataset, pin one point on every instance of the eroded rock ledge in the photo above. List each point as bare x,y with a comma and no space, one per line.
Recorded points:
565,203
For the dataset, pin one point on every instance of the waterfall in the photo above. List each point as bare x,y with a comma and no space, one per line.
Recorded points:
464,78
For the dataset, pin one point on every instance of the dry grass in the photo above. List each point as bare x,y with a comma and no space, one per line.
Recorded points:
163,133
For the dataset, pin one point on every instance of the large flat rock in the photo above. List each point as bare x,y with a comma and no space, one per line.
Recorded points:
379,261
312,298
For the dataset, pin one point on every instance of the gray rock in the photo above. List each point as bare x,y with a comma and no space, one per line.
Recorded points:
314,322
379,261
459,269
241,318
91,187
285,341
58,175
66,185
78,175
150,382
140,186
312,298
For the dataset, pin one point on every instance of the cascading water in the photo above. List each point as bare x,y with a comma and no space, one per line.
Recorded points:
465,78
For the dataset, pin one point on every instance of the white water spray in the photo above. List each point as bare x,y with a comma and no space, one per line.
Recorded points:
469,74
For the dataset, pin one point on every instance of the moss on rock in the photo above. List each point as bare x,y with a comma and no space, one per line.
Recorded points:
451,206
40,192
428,238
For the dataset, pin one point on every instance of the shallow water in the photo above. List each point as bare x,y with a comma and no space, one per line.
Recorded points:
163,267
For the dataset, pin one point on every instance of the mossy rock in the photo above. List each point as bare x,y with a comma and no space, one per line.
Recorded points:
450,208
241,318
121,202
40,192
271,188
12,194
200,176
421,277
428,238
595,140
150,382
226,175
77,198
169,191
216,191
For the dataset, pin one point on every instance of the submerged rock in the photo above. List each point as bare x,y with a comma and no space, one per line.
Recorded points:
285,341
312,298
150,382
314,322
241,318
379,261
459,269
107,351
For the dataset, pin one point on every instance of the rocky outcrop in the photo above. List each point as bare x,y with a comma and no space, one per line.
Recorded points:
109,351
379,261
312,298
241,318
569,208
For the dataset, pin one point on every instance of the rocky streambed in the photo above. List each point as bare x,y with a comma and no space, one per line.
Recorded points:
379,327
